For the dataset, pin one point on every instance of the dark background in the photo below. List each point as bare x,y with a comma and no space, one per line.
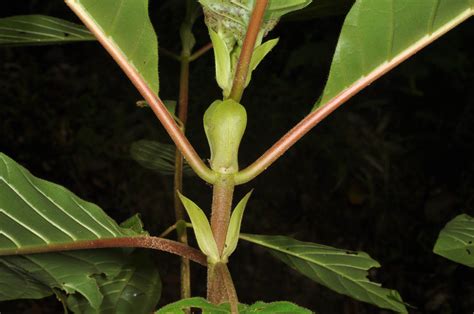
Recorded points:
383,174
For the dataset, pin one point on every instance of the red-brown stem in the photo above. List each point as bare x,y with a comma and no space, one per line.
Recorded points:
229,287
311,120
154,243
200,52
153,100
223,191
246,53
185,267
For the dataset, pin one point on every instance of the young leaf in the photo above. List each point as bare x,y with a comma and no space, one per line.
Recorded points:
379,34
230,18
94,281
282,307
222,62
340,270
456,240
157,156
258,54
233,232
202,229
125,24
23,30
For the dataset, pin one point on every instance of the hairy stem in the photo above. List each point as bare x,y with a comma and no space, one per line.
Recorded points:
153,100
246,53
223,191
221,287
154,243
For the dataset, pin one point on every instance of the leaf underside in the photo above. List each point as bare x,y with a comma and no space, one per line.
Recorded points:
93,281
209,308
378,32
126,24
456,240
340,270
36,215
157,156
40,30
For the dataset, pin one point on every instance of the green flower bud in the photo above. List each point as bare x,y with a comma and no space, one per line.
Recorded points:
224,123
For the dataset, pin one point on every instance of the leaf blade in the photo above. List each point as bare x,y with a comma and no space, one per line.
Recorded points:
377,36
340,270
125,25
456,241
202,229
233,232
23,30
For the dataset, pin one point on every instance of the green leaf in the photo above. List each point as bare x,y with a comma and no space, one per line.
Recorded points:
258,54
95,281
209,308
340,270
456,240
202,229
126,25
135,289
37,215
222,62
230,18
233,232
157,156
135,224
227,21
40,30
378,34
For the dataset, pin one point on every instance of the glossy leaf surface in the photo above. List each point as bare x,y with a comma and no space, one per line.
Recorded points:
40,30
126,25
378,34
209,308
340,270
456,240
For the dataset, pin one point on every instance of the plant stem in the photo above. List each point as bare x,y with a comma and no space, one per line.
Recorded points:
223,191
185,268
229,288
141,242
200,52
149,95
221,287
315,117
246,53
